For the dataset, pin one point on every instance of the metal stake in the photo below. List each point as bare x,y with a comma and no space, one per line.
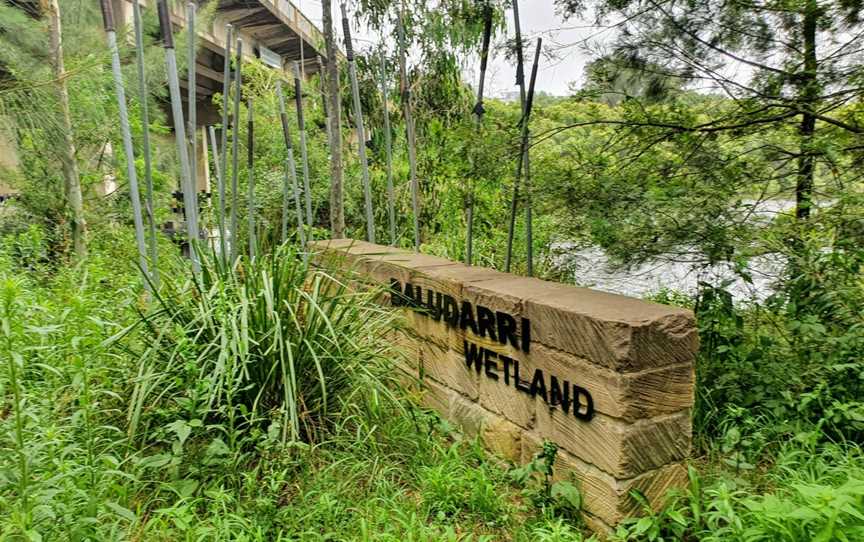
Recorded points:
250,168
388,145
409,131
108,19
304,155
478,123
520,80
213,145
216,160
235,147
191,99
143,96
226,90
323,86
358,121
179,131
522,160
526,137
290,170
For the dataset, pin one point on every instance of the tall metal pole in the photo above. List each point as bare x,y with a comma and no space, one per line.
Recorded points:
304,155
322,83
302,46
108,19
521,161
478,123
388,146
179,130
235,147
520,80
143,97
290,172
250,183
191,99
358,121
209,146
226,90
216,156
409,131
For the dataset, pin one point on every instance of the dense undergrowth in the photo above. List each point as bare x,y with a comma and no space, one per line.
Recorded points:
124,419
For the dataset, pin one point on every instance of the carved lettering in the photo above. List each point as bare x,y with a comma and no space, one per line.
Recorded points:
490,364
506,328
473,355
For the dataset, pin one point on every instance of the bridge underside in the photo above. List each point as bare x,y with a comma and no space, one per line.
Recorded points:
273,25
278,26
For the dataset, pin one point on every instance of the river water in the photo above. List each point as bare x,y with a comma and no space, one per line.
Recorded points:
591,267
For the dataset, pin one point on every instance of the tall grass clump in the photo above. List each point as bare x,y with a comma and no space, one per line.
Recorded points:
268,340
10,319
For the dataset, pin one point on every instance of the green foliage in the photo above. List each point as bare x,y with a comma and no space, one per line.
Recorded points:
257,401
614,78
454,489
807,494
797,359
395,473
558,498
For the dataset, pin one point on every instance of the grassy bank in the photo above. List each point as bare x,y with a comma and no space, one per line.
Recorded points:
119,423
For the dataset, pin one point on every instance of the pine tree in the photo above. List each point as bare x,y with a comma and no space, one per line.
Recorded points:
71,178
782,63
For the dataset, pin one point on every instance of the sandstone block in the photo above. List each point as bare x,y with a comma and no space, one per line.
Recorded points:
519,408
616,331
445,366
406,347
499,435
628,396
606,498
619,332
620,449
436,397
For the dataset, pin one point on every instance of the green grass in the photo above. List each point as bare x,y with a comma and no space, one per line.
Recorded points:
115,424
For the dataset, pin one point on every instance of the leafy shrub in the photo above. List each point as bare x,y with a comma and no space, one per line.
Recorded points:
28,248
798,358
454,488
810,494
557,498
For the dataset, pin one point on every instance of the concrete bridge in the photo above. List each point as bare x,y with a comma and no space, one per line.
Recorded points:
272,29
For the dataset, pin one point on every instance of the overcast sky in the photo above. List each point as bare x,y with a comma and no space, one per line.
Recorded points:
564,39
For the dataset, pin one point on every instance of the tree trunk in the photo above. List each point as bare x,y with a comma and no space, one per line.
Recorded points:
334,127
71,178
808,95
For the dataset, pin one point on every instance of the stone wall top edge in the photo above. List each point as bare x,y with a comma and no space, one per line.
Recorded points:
602,305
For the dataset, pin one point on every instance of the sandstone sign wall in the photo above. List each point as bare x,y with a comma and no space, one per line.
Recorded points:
518,361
